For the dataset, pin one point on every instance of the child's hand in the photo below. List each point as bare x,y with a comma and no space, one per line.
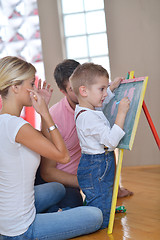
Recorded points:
122,111
124,105
115,83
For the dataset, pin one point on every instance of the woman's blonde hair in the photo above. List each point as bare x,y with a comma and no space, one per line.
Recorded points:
14,70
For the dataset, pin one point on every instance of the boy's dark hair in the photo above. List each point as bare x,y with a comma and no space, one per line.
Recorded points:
63,71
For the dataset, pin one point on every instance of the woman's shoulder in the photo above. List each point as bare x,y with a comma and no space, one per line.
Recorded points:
8,117
10,125
12,122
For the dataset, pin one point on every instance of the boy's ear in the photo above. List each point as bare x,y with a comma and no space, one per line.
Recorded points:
63,91
83,91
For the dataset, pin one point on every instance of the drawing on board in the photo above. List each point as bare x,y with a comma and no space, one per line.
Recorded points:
134,89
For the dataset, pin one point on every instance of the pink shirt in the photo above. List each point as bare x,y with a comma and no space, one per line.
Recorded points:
63,116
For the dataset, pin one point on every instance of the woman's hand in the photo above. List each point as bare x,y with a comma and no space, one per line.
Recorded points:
38,102
45,90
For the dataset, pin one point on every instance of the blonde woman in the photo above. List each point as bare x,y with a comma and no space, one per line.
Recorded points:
22,205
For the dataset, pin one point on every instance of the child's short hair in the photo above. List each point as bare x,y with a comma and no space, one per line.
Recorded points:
85,75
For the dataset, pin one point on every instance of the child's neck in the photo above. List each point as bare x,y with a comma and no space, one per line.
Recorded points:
86,104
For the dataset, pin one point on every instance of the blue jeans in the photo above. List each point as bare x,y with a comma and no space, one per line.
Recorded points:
96,179
59,225
72,198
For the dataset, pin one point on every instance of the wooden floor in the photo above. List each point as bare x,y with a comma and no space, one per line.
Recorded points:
142,218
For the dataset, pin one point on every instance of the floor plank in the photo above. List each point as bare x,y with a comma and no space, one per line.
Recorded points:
142,218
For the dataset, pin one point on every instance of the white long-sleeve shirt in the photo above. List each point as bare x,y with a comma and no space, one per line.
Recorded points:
94,131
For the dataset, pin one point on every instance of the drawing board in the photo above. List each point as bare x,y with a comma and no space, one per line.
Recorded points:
134,89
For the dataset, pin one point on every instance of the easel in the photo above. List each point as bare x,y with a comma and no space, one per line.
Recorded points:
130,78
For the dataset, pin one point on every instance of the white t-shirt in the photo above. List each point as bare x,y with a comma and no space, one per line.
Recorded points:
18,166
94,130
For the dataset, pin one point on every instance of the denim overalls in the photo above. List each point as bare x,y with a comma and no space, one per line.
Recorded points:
96,179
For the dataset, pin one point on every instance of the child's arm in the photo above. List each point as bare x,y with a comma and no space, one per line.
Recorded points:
112,138
115,83
122,112
112,86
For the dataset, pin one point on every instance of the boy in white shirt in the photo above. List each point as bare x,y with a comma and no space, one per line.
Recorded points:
96,168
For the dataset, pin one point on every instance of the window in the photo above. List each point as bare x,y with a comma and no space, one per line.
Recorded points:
85,31
20,36
20,33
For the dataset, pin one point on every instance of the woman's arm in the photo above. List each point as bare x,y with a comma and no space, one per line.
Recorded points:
33,139
50,173
53,148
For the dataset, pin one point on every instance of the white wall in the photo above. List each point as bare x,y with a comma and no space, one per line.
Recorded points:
133,29
50,29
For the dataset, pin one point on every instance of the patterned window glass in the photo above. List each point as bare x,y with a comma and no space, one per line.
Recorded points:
85,31
20,36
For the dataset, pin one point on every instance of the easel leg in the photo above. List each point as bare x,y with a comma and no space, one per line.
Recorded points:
115,192
153,129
